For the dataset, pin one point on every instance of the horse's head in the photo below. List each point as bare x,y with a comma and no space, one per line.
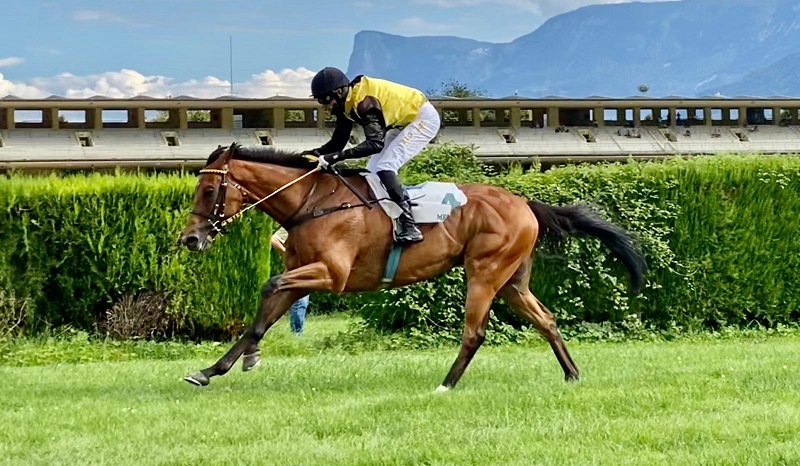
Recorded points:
213,202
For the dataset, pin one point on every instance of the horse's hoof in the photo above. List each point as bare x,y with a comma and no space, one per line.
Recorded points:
572,378
441,389
251,361
197,379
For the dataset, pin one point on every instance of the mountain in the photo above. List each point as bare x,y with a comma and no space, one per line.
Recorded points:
778,79
443,58
687,47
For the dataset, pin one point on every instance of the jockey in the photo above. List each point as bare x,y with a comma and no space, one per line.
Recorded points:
398,123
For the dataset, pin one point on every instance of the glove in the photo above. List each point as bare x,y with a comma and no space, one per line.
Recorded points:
325,161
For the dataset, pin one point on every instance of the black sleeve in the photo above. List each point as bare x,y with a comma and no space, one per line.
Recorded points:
340,136
374,130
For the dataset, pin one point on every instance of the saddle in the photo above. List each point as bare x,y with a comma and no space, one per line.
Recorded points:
431,201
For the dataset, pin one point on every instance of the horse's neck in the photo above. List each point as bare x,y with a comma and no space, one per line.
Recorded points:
264,179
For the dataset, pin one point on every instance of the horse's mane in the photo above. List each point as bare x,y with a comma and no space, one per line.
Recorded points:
271,154
264,154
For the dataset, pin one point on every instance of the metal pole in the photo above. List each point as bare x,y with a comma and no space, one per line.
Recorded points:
230,38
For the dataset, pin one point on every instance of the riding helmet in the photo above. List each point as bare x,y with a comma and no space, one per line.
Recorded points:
328,80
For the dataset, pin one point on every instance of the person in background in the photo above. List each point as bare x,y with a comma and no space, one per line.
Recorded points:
297,313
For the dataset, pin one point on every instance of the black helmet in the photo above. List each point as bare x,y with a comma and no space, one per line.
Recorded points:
327,81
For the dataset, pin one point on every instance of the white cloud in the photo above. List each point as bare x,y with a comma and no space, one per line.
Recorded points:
97,15
130,83
11,61
531,6
479,52
544,8
420,25
19,89
287,82
106,17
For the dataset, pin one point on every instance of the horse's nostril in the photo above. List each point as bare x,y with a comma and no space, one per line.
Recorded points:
191,241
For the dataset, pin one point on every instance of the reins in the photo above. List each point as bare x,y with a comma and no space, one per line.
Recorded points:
217,218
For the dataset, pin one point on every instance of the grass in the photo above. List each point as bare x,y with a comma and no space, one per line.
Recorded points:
705,401
71,346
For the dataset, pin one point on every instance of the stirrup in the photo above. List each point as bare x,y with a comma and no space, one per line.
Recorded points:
409,239
409,234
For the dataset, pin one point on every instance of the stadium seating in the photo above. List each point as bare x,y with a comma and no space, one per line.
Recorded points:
26,147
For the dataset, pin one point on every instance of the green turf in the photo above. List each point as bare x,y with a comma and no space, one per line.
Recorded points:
730,401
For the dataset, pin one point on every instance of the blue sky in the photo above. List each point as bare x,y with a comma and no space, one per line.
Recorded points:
79,48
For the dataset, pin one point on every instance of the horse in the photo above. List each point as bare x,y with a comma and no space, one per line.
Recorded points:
338,243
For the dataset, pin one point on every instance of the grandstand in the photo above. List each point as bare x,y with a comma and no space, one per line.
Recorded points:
101,132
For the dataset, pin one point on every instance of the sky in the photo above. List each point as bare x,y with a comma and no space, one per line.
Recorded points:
160,48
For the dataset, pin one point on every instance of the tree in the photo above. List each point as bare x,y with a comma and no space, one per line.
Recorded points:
455,88
294,116
191,115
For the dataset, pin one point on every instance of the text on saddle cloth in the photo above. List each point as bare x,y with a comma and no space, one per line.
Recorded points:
432,201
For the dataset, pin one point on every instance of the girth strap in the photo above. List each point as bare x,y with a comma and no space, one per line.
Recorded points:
391,265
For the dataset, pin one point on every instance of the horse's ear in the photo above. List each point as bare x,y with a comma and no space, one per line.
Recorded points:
228,154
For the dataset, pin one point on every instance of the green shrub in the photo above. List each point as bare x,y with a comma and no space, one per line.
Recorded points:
12,314
73,246
720,234
446,162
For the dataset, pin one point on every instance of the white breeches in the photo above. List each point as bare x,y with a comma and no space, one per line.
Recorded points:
400,146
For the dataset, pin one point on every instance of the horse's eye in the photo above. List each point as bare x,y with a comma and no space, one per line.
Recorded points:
208,191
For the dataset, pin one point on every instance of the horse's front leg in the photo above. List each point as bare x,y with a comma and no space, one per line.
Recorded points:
277,296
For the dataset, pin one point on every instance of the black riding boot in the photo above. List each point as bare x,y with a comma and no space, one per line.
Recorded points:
408,231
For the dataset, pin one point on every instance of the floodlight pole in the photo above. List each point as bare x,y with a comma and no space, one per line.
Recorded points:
230,39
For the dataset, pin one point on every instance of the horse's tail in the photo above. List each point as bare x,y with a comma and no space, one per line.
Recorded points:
556,221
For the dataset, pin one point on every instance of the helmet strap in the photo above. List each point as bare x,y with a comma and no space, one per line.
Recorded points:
340,96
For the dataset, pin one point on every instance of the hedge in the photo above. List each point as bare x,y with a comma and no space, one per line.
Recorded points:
720,234
71,247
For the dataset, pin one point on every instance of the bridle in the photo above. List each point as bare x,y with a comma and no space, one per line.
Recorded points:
217,217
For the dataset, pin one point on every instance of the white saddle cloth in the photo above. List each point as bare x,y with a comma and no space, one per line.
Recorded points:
432,201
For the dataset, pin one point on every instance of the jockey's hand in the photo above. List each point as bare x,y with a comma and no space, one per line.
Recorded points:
325,161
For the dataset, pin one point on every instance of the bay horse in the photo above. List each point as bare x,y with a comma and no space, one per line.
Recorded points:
337,244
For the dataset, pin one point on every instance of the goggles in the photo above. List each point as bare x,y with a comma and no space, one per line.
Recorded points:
325,99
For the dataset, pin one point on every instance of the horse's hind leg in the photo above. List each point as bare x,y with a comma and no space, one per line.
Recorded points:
524,303
479,299
484,278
